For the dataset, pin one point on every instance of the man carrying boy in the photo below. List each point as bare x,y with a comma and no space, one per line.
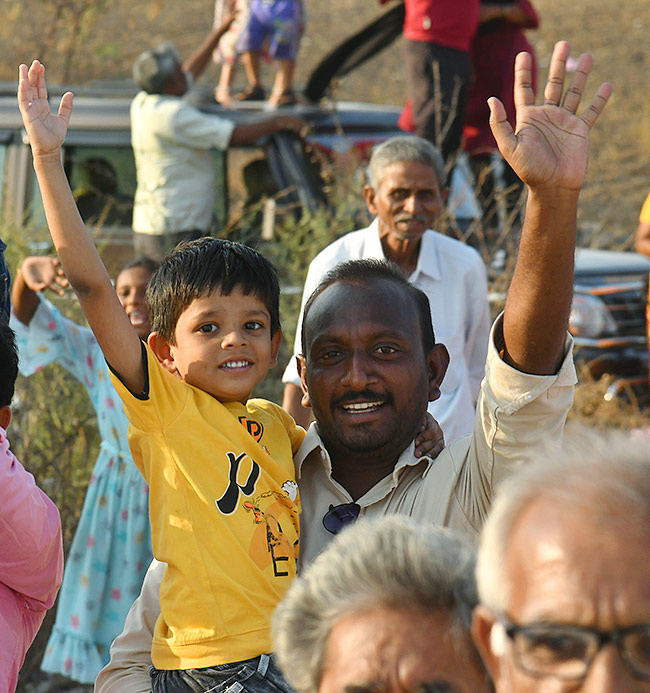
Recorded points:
232,310
31,555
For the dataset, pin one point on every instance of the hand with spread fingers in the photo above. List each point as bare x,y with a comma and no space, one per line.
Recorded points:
42,272
45,130
549,146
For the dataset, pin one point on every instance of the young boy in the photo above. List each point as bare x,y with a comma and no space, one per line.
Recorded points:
223,504
31,557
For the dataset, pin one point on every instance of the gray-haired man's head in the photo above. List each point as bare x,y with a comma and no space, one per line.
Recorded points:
405,191
153,69
404,149
387,595
563,572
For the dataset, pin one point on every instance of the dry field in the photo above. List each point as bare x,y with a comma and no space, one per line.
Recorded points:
103,43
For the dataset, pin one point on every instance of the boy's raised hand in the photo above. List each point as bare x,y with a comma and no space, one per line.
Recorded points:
549,146
45,130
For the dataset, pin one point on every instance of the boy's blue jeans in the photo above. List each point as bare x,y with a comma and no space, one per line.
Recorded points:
258,675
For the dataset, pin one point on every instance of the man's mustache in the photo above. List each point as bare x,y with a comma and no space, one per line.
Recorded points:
411,217
361,395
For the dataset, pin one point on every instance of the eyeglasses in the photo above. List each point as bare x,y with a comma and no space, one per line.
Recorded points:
339,516
566,651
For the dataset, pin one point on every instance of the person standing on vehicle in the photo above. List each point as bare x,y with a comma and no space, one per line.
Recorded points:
171,139
437,37
406,194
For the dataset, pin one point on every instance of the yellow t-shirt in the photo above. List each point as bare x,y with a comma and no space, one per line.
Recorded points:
224,511
645,211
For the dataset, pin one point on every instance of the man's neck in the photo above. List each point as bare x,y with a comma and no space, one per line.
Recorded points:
359,473
404,254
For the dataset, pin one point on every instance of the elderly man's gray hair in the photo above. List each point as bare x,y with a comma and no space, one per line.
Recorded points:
407,148
390,561
603,478
153,68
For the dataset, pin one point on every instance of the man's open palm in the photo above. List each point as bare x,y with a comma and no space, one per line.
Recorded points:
550,145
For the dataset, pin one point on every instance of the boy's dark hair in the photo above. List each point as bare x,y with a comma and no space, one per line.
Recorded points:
195,268
8,363
367,272
142,261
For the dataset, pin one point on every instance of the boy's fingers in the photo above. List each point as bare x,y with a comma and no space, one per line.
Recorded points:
24,91
65,107
41,86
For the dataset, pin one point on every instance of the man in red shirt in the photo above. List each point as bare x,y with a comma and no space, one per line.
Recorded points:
437,37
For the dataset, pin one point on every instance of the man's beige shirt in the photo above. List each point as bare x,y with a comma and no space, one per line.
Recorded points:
517,415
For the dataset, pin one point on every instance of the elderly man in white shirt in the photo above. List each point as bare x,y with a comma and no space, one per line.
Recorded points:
171,139
406,198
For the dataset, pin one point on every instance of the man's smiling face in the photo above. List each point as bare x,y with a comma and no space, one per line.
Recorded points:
368,378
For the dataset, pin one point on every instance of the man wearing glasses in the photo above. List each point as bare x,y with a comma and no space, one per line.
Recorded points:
563,575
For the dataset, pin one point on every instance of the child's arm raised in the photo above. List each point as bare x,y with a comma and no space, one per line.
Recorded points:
79,258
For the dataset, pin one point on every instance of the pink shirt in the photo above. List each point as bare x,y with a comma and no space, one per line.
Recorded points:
31,561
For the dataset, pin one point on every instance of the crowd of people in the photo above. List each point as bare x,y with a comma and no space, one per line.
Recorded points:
328,545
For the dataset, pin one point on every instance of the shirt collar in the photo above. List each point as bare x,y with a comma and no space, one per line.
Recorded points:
428,258
312,451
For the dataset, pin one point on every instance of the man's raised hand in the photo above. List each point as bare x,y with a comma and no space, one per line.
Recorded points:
45,130
550,144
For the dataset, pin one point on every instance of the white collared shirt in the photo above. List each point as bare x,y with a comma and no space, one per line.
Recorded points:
453,277
171,141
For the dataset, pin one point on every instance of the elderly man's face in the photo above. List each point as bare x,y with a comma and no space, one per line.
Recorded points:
407,201
565,569
368,378
384,650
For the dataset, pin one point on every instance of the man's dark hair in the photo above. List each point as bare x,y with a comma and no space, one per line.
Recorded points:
196,268
367,272
8,363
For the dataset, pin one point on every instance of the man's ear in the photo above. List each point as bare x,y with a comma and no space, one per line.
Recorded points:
445,194
163,351
300,361
489,638
437,363
276,340
369,195
5,417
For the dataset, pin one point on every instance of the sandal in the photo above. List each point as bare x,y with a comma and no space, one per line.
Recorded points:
287,98
253,93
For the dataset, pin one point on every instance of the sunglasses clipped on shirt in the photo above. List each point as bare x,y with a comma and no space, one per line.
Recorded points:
340,516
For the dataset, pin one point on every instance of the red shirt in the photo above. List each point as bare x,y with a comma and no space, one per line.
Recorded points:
493,51
450,23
